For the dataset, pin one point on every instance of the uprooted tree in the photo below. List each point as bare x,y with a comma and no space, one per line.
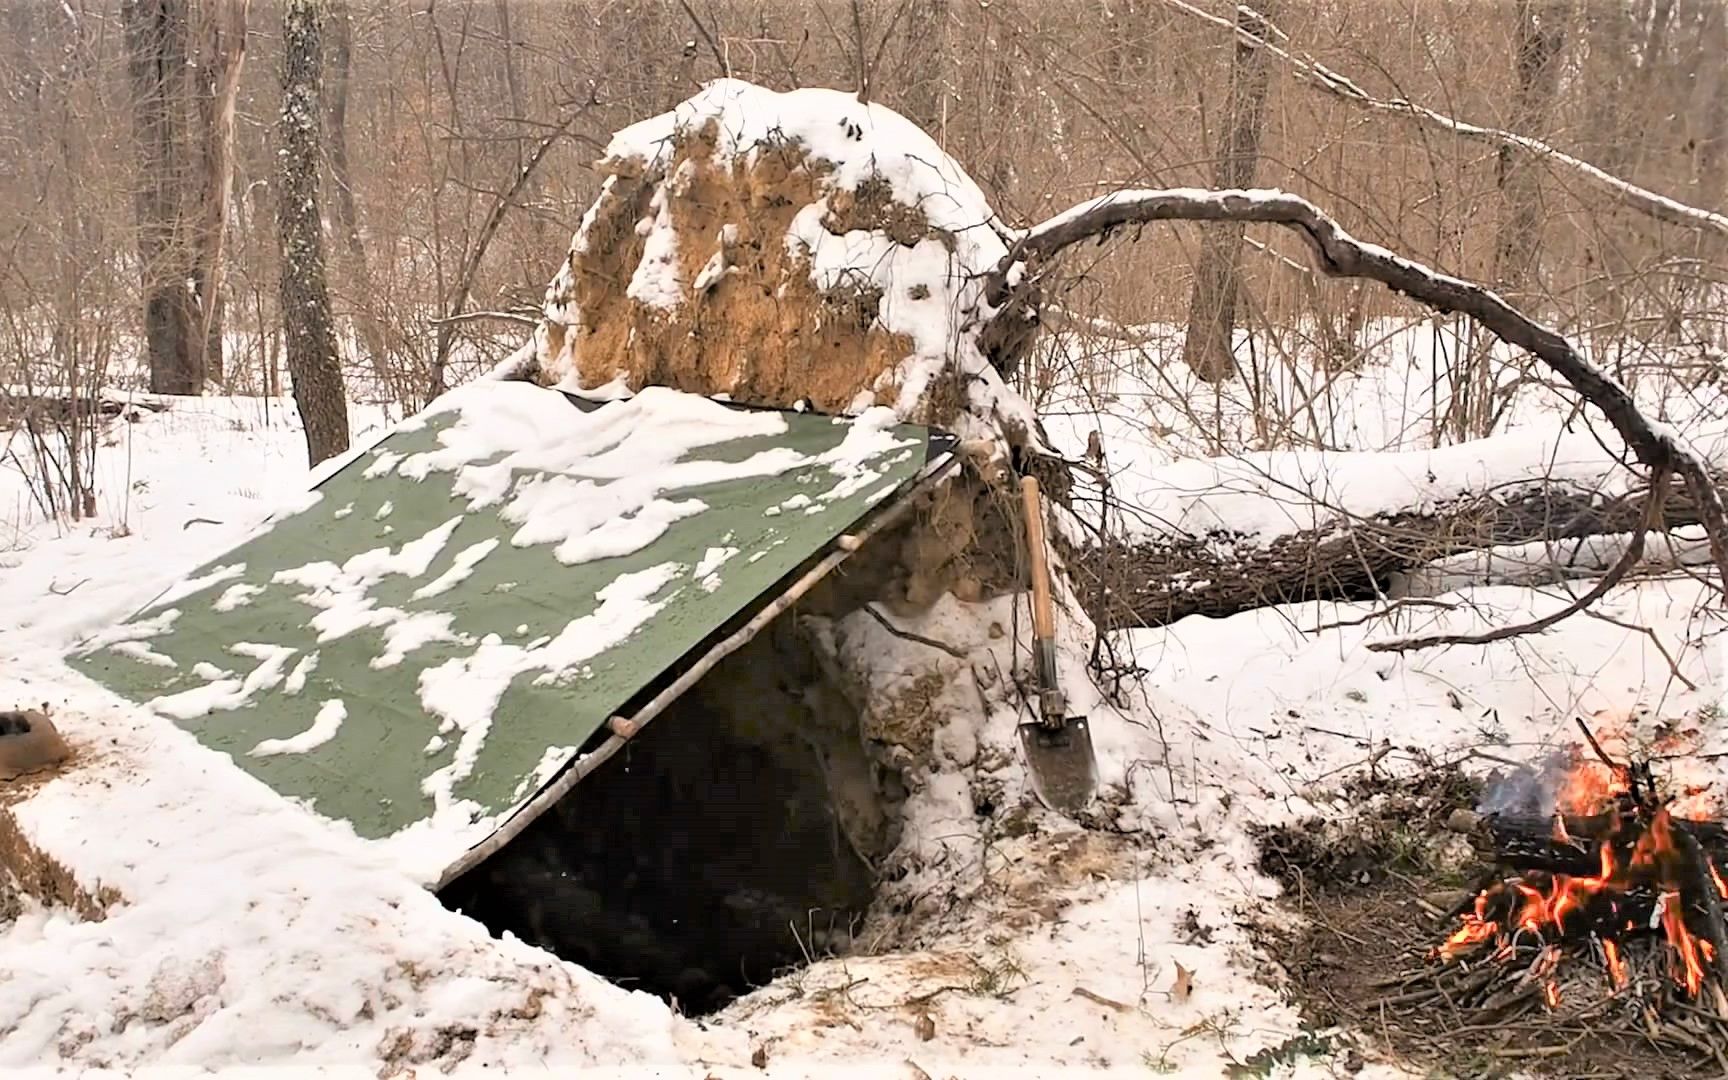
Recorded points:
808,248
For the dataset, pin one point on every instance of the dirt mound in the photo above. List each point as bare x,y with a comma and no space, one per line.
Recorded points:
784,249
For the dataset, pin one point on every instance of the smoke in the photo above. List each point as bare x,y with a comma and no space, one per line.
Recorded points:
1531,790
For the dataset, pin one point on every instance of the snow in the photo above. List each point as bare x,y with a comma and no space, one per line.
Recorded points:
1347,444
236,596
466,560
655,282
465,690
226,693
266,963
324,727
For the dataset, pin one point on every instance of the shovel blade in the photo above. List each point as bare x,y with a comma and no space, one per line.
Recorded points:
1063,768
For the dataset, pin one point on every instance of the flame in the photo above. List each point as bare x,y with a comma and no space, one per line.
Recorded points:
1690,968
1589,787
1616,965
1554,908
1477,928
1657,848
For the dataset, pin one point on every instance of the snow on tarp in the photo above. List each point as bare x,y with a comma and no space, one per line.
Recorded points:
421,647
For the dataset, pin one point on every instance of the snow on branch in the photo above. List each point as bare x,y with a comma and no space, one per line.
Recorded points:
1321,77
1338,254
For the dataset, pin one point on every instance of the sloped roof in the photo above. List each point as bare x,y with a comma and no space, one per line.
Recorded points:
420,647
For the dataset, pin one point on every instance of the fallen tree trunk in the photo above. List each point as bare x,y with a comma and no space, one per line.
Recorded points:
1153,580
1549,562
1221,536
62,406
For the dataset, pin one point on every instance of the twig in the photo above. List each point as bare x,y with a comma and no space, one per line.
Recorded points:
502,316
910,636
1081,991
1409,601
713,46
1590,738
1655,639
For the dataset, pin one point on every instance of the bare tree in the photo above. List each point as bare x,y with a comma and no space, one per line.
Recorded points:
156,43
222,27
1541,36
345,215
1212,308
313,363
185,64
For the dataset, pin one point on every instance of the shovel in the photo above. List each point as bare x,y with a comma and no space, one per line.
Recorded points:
1058,747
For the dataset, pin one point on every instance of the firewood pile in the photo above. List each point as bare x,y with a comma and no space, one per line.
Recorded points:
1604,908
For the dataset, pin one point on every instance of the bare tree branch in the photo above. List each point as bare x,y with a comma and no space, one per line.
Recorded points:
489,229
707,38
1338,254
1323,78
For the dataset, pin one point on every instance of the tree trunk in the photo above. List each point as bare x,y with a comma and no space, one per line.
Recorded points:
156,48
223,49
1541,36
923,82
1212,306
1711,174
370,328
313,363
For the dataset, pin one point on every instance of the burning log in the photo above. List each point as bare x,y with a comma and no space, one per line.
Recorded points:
1566,843
1611,867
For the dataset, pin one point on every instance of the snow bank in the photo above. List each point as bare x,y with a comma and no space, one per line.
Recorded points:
250,931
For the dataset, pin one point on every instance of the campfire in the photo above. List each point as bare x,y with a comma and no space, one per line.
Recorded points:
1613,890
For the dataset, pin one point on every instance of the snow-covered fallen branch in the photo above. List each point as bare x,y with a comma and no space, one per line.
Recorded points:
1009,290
1313,73
1549,562
1622,566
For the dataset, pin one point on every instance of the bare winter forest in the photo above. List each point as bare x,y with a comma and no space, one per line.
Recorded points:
142,142
1371,358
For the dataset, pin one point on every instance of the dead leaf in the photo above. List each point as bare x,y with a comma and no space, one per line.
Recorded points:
925,1027
917,1072
759,1057
1183,987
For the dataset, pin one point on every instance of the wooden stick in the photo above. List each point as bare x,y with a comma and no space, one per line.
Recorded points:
1704,884
1596,746
1043,616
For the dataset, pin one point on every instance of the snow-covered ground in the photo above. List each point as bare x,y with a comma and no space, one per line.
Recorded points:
251,933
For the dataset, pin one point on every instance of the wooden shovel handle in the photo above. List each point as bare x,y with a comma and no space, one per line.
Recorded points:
1043,616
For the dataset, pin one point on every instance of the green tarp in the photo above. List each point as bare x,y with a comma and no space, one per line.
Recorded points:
467,602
